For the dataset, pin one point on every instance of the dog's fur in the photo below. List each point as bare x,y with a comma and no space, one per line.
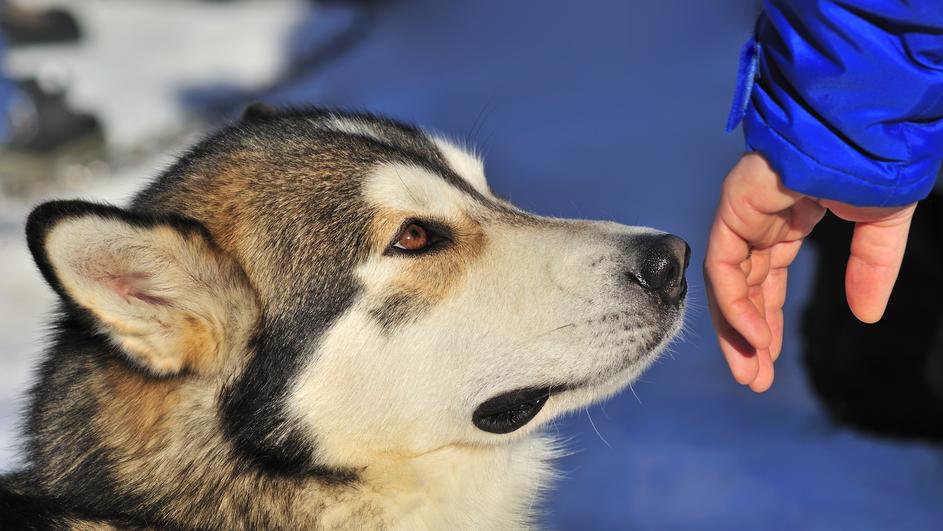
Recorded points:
245,348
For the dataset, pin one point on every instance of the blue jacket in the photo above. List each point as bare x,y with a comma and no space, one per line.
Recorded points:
844,98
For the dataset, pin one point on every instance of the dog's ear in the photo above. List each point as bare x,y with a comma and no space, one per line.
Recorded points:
157,286
258,111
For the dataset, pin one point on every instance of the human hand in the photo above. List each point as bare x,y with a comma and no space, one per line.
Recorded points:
757,232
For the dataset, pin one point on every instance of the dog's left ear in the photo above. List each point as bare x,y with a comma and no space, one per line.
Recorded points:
258,111
157,286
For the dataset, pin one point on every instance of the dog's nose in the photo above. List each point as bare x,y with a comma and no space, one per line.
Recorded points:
660,266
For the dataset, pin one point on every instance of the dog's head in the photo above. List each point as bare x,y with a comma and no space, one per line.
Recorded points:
354,288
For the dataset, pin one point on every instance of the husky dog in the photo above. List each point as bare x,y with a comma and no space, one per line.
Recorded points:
320,320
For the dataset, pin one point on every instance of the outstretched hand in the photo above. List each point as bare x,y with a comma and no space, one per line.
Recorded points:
757,232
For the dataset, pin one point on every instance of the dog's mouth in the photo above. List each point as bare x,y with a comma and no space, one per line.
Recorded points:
511,411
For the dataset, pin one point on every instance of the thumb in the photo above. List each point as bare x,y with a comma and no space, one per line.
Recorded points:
877,250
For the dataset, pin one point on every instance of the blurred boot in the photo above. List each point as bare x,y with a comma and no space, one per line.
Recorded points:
45,139
23,26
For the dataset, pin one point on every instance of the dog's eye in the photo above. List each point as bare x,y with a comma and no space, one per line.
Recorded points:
418,237
414,238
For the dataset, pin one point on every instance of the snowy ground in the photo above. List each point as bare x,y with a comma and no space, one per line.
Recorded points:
130,71
592,109
26,301
137,58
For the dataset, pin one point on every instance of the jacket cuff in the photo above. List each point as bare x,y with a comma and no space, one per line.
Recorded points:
801,173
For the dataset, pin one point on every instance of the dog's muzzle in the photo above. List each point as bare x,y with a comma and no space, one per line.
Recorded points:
657,264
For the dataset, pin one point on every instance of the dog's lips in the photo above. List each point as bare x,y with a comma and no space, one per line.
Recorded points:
511,411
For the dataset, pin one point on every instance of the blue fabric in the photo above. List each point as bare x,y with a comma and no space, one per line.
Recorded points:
848,97
746,77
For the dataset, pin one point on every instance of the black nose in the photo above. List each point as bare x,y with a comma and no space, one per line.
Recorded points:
660,264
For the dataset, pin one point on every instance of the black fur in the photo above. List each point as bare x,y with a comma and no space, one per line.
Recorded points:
258,111
29,512
396,310
92,492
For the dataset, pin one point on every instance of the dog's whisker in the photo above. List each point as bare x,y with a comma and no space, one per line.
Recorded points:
593,424
561,327
632,388
406,187
486,110
602,408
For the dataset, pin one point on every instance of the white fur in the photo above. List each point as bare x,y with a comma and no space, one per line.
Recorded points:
468,165
352,127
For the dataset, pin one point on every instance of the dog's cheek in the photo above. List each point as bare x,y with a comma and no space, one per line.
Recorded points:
369,392
398,309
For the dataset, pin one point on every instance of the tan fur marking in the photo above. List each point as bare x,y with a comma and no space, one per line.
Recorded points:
431,277
135,408
76,525
199,344
229,219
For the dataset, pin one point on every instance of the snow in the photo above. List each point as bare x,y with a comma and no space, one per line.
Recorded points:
143,55
129,72
594,109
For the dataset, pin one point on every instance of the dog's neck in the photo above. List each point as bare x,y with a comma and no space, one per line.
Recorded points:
175,465
197,486
455,487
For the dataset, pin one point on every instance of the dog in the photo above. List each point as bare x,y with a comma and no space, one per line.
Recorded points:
325,320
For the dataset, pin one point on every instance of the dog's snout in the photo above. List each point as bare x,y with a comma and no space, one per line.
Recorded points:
660,264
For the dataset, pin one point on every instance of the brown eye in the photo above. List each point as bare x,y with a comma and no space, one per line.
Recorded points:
420,237
413,238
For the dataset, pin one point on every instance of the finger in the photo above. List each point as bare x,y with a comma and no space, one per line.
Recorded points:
759,266
740,355
756,297
877,250
775,320
746,267
728,284
765,372
804,216
774,295
782,254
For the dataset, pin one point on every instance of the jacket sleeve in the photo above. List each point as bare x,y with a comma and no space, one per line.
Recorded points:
844,98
